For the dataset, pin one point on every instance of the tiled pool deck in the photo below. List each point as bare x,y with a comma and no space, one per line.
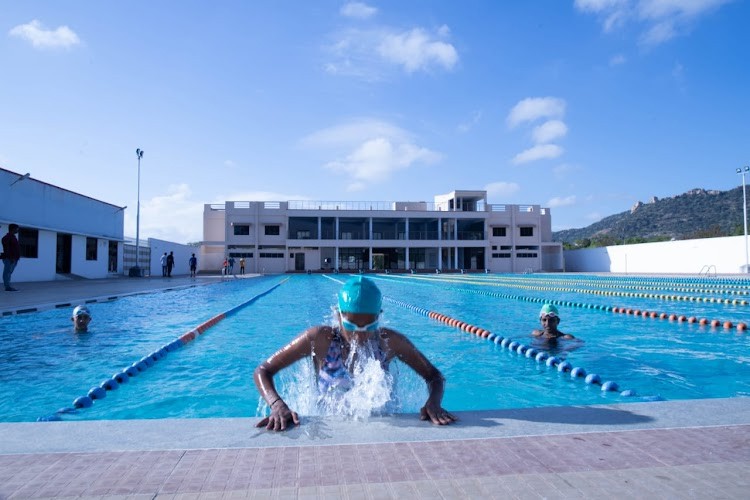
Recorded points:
671,449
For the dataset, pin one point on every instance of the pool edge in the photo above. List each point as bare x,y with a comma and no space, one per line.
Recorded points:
213,433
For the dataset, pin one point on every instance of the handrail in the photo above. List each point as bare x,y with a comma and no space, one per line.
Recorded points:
707,269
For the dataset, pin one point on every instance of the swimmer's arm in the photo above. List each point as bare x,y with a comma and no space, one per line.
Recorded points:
295,350
409,354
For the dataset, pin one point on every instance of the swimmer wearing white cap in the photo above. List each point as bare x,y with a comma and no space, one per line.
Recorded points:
81,318
550,318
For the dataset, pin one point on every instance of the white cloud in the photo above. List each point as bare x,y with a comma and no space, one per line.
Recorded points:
564,169
357,10
549,131
229,163
42,38
173,216
659,9
538,152
598,5
659,20
464,127
176,216
376,159
355,131
616,60
369,151
370,54
659,33
502,188
561,202
533,108
417,50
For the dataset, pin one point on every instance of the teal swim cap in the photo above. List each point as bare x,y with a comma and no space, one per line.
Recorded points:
549,308
360,295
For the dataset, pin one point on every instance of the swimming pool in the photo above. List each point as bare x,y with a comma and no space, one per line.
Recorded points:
45,365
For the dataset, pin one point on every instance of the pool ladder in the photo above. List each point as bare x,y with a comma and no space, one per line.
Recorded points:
707,271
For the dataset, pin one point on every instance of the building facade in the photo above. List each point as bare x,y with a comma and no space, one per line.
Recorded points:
62,233
458,231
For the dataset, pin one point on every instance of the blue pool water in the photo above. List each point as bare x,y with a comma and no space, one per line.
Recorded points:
45,365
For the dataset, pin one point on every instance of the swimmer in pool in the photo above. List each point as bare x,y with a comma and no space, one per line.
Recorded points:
81,318
550,318
359,302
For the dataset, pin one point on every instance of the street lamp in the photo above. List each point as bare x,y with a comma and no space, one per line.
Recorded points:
136,271
742,172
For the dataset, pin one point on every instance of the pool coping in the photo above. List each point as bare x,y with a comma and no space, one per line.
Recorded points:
220,433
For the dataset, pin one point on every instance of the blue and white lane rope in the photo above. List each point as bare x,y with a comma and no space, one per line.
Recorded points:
538,355
100,392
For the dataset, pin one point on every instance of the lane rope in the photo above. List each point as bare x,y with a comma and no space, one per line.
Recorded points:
99,392
539,355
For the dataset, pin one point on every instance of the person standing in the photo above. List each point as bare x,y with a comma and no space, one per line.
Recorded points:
193,263
11,255
170,264
231,264
163,261
242,265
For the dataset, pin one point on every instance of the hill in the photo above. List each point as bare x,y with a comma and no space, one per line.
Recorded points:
698,213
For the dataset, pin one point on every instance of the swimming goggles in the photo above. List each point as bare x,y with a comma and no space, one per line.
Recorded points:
548,315
353,327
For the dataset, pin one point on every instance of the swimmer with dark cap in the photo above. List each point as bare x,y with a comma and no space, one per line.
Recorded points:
550,318
359,302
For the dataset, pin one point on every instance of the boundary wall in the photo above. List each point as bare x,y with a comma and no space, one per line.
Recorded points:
710,256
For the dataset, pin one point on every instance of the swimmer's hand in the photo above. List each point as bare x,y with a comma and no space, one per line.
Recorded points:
280,416
436,414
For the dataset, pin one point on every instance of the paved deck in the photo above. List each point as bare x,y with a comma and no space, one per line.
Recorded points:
670,449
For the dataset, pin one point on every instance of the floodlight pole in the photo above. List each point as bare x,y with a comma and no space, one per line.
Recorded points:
139,155
742,172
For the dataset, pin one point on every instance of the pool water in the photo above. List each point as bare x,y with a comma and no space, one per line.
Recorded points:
45,365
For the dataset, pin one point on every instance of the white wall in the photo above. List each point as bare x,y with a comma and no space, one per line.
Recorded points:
725,255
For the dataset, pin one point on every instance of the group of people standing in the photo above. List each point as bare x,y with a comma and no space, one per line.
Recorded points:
167,264
228,266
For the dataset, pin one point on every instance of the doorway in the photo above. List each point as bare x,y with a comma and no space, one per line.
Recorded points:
299,261
64,243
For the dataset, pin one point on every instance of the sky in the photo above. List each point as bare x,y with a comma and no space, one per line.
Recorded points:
584,107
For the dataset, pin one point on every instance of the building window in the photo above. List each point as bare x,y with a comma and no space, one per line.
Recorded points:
501,256
29,241
498,231
527,230
242,229
526,255
273,230
91,245
269,255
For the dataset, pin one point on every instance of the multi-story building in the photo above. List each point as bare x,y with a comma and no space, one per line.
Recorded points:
457,231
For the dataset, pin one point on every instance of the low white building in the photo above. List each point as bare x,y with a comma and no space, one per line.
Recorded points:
62,233
457,231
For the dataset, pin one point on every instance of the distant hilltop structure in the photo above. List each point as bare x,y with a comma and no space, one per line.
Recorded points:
691,192
696,213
